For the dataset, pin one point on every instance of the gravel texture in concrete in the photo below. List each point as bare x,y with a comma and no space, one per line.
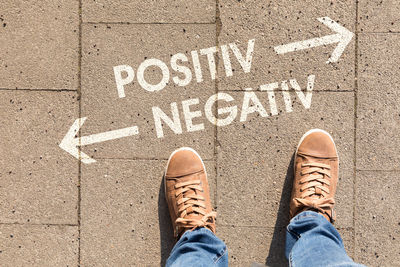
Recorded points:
59,61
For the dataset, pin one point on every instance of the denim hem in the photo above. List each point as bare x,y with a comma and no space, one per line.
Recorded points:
307,214
222,253
199,229
292,232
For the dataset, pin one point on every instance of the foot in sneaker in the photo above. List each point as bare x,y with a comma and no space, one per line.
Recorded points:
187,192
315,175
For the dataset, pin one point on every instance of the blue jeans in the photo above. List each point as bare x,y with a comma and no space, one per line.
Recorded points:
310,241
200,248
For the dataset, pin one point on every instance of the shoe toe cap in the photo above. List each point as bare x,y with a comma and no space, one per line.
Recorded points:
318,143
184,161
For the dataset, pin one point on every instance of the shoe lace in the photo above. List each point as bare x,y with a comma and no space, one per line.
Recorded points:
316,182
189,203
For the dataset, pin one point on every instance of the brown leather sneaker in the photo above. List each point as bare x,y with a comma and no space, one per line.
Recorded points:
187,192
316,171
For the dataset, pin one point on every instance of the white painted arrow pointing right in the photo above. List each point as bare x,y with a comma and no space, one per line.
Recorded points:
342,37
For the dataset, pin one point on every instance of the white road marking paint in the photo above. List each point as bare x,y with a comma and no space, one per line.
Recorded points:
118,70
148,63
227,61
248,109
124,74
305,99
342,37
190,115
286,96
70,143
232,111
209,52
244,63
174,124
180,68
271,96
125,70
197,66
250,104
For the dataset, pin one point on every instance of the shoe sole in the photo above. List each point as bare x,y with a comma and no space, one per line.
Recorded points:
170,157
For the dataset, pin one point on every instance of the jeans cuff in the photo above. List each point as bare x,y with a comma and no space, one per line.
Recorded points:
197,230
307,214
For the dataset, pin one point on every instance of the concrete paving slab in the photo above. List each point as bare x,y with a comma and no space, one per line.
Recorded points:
125,218
38,245
39,47
378,16
163,11
347,235
38,180
254,160
248,245
121,208
276,23
107,46
378,95
377,220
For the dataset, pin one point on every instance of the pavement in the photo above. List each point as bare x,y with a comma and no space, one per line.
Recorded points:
106,206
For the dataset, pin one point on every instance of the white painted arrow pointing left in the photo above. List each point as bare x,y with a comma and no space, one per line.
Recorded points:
70,143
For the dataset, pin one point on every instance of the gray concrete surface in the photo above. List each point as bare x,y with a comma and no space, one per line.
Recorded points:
40,43
100,52
56,65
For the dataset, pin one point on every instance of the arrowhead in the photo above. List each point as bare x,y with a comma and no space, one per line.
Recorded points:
344,37
70,143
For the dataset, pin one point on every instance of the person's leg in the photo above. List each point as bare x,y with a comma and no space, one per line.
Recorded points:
311,239
193,220
199,247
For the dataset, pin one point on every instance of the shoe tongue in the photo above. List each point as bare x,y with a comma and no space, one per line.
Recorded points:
312,159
